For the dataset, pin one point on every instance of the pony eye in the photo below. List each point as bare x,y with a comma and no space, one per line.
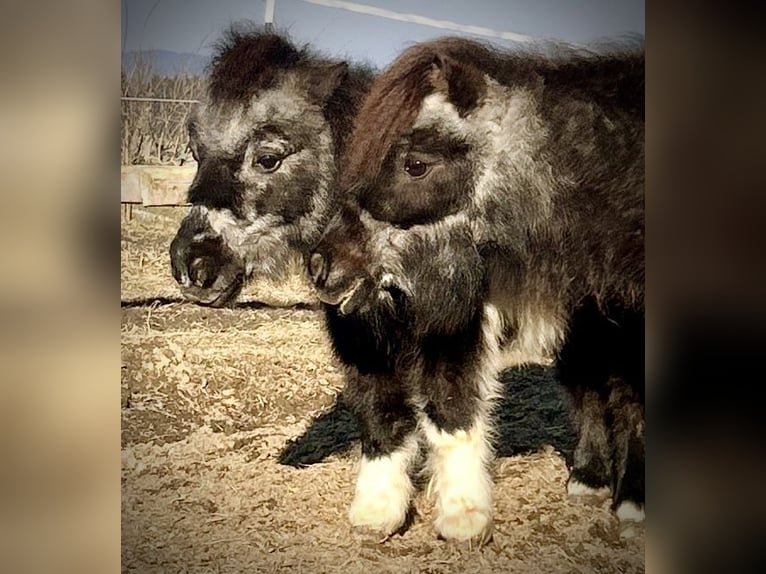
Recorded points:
415,168
269,162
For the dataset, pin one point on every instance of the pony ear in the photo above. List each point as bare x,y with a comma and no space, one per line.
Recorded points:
324,80
462,83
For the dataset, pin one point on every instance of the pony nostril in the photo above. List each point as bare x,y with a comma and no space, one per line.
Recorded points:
318,268
199,272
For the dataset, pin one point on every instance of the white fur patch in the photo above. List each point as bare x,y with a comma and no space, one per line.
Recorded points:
489,387
578,489
239,233
384,490
437,112
539,333
629,511
461,481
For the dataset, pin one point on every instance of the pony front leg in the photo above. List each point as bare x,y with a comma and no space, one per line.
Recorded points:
627,436
461,480
456,421
384,489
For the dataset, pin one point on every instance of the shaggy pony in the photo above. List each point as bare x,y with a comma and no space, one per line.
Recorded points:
266,139
494,209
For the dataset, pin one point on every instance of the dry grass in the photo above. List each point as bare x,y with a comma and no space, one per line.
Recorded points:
213,399
154,132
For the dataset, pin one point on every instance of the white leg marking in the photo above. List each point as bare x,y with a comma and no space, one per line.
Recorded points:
384,490
629,511
460,461
461,482
578,489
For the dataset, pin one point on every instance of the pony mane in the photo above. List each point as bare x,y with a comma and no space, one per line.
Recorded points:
247,60
394,100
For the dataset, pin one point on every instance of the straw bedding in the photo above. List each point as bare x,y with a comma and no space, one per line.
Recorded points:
239,456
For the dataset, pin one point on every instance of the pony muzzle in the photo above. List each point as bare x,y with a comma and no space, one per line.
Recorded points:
346,291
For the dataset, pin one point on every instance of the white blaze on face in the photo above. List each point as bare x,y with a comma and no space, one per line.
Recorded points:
384,489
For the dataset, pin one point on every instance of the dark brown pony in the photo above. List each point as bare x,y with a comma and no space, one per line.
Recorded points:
494,210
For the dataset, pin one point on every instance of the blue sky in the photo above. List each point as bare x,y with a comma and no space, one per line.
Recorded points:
194,25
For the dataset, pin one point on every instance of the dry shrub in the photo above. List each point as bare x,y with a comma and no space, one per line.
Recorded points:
154,133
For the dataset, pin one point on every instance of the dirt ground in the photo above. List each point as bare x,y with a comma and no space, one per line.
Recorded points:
239,456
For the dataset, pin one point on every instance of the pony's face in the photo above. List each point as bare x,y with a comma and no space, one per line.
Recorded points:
408,233
262,188
426,177
462,170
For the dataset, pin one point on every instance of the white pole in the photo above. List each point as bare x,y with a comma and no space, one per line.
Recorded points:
268,18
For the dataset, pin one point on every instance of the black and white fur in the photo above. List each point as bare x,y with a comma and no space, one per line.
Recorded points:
266,139
494,211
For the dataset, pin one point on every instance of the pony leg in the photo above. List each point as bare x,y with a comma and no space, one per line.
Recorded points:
591,472
461,480
384,489
457,425
602,364
626,413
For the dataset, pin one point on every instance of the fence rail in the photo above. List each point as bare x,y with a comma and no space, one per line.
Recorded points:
423,20
169,100
156,185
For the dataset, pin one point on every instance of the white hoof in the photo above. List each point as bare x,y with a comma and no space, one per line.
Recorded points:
465,523
384,511
383,493
629,511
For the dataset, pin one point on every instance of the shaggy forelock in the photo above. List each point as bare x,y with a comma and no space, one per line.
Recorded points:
386,114
393,103
246,61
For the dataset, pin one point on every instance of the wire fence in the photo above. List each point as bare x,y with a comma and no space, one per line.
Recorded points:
169,100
